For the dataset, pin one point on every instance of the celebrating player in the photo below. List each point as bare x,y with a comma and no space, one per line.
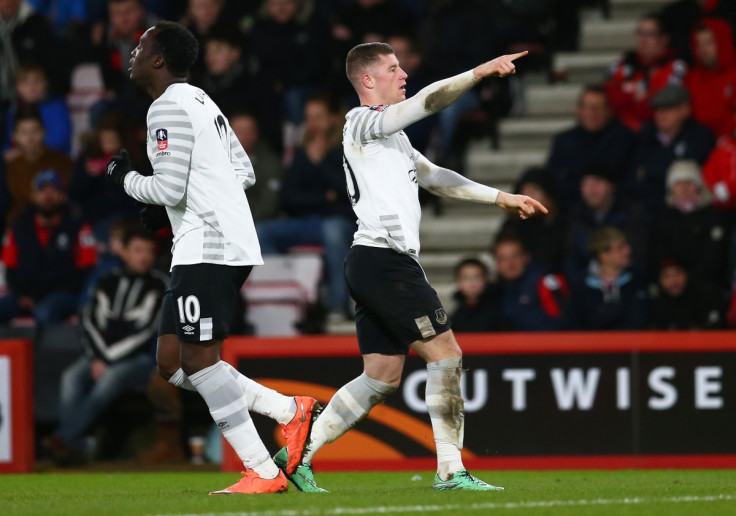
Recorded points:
396,308
200,171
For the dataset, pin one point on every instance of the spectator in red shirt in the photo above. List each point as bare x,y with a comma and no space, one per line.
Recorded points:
48,253
712,83
640,74
719,172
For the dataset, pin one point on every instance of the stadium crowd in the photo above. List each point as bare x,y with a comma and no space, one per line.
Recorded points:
641,192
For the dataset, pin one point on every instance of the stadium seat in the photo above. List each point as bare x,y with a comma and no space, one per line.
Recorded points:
279,292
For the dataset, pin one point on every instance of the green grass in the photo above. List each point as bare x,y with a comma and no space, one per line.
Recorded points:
670,492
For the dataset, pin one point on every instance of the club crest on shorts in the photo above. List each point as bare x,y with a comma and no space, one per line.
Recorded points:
440,316
162,139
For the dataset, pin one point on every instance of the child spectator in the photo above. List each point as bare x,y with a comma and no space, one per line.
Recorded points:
544,237
101,202
683,303
28,157
32,89
611,296
478,300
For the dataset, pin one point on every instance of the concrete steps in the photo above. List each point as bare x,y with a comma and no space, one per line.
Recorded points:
532,132
635,8
501,167
459,233
551,99
584,68
616,34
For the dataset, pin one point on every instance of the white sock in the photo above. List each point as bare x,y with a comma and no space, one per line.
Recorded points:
229,408
261,400
445,406
349,405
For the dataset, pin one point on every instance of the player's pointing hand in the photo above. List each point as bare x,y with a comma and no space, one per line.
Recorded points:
499,67
521,205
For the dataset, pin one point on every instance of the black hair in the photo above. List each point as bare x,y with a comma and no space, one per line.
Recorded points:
27,112
177,45
506,236
224,33
136,230
473,262
331,101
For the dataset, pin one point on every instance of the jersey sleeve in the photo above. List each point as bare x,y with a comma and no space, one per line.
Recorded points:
384,120
172,127
241,162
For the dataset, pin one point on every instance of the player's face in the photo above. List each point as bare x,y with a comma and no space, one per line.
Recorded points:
139,255
389,80
140,58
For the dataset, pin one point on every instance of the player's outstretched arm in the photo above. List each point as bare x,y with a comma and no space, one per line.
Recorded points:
521,205
446,183
438,95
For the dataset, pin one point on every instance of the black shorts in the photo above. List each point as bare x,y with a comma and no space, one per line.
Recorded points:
198,305
394,303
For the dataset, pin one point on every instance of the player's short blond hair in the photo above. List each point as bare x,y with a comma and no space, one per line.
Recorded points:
362,57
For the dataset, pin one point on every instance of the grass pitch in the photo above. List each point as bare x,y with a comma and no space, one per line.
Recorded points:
666,492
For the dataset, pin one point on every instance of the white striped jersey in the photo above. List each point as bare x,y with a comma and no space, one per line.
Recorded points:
200,172
382,182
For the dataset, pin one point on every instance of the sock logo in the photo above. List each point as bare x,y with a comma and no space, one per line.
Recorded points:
223,425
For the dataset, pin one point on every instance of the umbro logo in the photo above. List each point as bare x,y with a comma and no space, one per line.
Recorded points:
188,329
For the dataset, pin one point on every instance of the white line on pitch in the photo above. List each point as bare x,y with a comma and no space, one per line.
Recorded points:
473,506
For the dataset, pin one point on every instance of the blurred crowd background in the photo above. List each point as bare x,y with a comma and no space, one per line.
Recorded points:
641,190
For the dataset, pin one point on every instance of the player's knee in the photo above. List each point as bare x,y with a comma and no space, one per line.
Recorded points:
166,371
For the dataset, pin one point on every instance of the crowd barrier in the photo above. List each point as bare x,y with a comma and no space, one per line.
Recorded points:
533,401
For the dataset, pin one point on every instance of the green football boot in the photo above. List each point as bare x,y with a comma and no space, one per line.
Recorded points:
303,476
463,480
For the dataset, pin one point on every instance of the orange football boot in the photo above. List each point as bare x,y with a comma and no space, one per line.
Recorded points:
252,483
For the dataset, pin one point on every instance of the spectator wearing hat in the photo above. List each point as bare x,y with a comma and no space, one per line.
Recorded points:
603,205
690,230
673,135
48,253
712,82
679,16
598,135
531,300
641,74
28,157
478,300
611,296
681,302
543,237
